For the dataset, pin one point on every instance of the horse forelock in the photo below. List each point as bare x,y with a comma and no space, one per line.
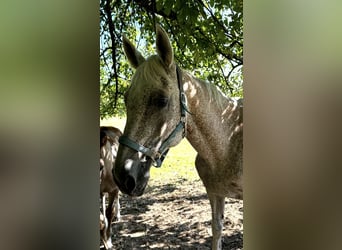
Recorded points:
152,73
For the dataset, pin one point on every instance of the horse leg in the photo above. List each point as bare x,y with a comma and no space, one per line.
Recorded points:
105,232
112,211
116,205
217,210
102,216
109,218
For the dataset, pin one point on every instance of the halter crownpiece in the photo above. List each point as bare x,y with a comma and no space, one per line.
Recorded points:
158,156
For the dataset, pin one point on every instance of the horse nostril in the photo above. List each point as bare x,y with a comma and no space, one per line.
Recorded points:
130,183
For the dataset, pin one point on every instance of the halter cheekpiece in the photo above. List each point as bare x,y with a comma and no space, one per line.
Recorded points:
158,156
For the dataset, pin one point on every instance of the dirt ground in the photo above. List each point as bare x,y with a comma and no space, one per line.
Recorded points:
174,216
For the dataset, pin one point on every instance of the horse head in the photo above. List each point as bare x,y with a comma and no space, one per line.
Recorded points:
154,114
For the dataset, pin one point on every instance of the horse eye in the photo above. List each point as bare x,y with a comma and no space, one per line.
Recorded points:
161,102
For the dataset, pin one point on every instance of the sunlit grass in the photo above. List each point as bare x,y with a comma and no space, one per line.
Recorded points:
179,163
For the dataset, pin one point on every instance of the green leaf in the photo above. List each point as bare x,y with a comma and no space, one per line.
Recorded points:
200,43
159,5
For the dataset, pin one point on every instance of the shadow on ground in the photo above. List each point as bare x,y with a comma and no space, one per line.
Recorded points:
174,216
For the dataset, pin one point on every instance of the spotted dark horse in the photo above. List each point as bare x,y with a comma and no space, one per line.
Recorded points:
109,143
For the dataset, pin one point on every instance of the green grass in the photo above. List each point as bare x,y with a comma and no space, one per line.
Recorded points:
179,163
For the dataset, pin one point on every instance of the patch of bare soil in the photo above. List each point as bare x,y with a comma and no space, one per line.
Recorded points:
174,216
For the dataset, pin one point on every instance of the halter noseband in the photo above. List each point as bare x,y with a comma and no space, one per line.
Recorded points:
158,156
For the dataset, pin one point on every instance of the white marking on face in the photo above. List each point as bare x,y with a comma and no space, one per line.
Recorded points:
128,164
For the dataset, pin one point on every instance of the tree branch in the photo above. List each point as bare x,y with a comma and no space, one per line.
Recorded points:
233,68
230,57
108,12
215,19
226,78
150,6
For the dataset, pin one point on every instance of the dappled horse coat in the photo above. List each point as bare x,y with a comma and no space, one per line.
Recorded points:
109,142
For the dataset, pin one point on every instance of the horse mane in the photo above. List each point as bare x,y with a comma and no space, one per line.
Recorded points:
153,69
215,95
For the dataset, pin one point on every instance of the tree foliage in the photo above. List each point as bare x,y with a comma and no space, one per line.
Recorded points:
207,37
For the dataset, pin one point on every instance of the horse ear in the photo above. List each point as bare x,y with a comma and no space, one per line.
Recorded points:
133,55
164,48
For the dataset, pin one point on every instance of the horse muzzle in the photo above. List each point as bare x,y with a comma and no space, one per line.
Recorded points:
132,176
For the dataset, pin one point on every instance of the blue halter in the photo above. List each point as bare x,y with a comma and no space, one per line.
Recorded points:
158,156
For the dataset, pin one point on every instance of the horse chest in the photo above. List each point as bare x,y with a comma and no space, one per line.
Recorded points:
216,177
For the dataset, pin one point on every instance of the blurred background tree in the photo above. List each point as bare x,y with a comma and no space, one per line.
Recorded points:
207,38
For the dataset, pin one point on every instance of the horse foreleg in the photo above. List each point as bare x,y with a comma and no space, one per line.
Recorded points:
103,221
104,211
217,210
114,205
109,218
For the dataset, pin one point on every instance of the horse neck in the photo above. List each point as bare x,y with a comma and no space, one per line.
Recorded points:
206,125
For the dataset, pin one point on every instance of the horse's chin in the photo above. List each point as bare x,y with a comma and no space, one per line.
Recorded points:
134,193
137,191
